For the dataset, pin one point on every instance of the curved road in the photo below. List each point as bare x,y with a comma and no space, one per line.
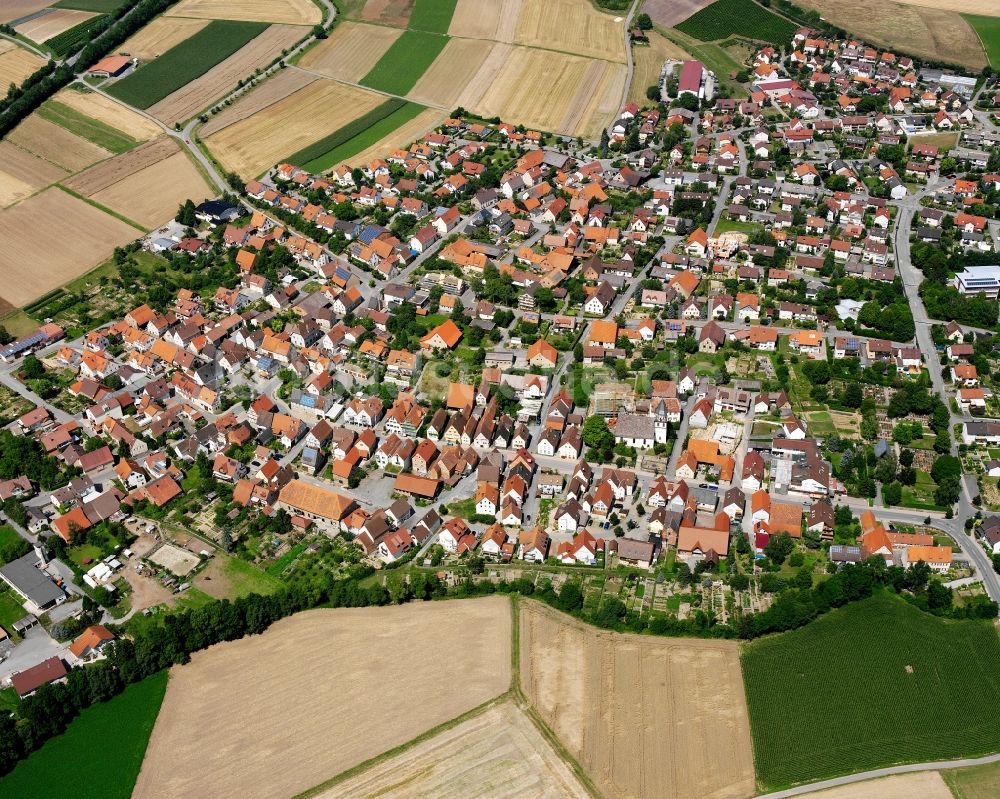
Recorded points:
880,772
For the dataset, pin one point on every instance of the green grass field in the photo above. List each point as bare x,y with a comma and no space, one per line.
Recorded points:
10,610
94,130
741,17
100,6
399,69
872,684
184,62
339,147
975,782
76,38
245,578
100,753
988,31
432,15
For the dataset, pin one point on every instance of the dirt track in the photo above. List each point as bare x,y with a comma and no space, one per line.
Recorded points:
321,692
645,717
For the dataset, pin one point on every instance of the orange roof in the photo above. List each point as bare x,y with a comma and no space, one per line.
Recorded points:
460,395
603,331
760,500
316,500
929,554
91,638
786,517
868,521
691,538
111,64
66,524
449,332
807,338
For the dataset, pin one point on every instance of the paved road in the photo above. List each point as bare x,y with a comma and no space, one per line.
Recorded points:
881,772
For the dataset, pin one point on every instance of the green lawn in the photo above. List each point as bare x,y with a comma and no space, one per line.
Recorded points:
355,136
100,753
81,553
9,700
401,66
432,15
872,684
11,544
91,129
277,567
192,599
245,578
744,17
988,31
734,225
184,62
10,610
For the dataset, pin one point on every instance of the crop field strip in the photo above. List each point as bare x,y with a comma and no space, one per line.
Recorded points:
398,137
16,63
366,137
486,19
184,62
351,51
12,10
725,18
988,31
407,58
108,112
276,88
871,684
433,16
97,6
109,739
287,12
56,144
57,27
93,130
160,35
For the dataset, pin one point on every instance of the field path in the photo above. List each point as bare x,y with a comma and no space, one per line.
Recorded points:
880,772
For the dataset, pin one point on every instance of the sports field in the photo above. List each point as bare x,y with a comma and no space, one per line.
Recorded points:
406,59
99,754
255,144
644,716
988,31
184,62
727,17
278,713
872,684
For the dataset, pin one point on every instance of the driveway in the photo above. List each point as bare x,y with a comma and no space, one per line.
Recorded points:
37,646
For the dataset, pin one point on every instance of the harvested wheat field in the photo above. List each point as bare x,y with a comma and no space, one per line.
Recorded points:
104,109
11,10
578,97
288,12
928,32
643,716
56,144
388,12
253,145
160,35
671,12
222,78
486,19
351,51
22,174
445,79
572,26
925,785
401,137
121,166
52,23
151,196
648,61
16,63
50,239
276,714
498,754
275,88
987,8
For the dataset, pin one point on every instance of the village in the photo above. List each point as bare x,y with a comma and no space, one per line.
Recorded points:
730,347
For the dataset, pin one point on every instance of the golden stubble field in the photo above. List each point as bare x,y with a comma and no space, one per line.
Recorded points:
104,109
401,137
51,238
935,32
289,12
321,692
486,19
277,87
23,173
15,9
16,63
644,717
923,785
351,51
160,35
56,144
254,144
498,754
199,93
52,23
571,26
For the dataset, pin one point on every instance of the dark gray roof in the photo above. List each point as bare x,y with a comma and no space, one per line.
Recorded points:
29,581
